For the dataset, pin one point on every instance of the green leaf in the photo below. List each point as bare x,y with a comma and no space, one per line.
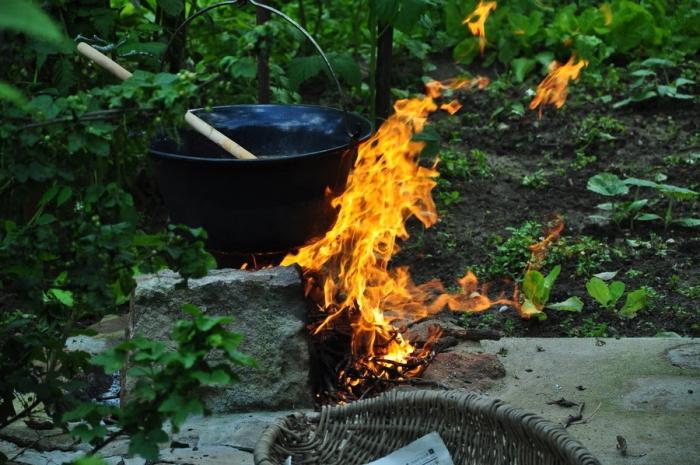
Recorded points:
172,7
661,62
301,69
64,195
205,323
192,310
598,290
529,309
616,288
551,277
409,15
678,193
466,50
63,296
7,92
217,376
648,217
385,10
572,304
688,222
607,184
606,275
111,360
245,68
346,67
533,283
522,67
667,334
25,17
636,300
145,443
640,183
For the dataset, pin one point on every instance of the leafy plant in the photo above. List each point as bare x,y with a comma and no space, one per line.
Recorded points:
165,383
537,288
610,185
460,165
536,180
607,295
652,81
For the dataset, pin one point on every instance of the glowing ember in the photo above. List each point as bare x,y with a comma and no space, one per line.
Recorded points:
553,89
347,270
476,21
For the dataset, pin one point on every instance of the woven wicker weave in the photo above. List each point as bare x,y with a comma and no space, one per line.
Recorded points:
477,431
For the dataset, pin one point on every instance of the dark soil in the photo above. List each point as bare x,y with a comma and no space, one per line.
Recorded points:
660,137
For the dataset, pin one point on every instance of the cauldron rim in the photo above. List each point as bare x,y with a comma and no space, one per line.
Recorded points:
365,135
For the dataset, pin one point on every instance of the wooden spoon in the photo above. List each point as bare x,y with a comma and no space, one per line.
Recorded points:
195,122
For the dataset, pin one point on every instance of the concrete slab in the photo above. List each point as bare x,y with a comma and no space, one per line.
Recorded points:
646,390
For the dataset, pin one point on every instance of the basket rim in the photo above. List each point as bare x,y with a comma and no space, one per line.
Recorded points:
551,435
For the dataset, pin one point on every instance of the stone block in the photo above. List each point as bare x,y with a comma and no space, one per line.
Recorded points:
269,310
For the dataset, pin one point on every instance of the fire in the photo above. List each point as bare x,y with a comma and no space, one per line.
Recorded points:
538,251
476,21
553,89
347,270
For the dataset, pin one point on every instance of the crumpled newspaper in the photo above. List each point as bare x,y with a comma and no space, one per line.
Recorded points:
428,450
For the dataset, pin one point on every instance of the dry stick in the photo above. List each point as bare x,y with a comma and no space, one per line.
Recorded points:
193,120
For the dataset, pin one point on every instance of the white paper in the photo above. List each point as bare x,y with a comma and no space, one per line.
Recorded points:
428,450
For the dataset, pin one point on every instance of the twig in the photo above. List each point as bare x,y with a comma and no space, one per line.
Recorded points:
574,418
562,403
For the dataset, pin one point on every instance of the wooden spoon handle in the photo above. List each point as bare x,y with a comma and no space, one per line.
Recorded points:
104,61
195,122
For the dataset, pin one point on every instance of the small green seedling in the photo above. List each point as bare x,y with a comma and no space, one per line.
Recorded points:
537,289
607,295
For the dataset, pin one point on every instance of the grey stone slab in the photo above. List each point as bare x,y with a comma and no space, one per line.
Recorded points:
210,455
35,457
270,311
631,387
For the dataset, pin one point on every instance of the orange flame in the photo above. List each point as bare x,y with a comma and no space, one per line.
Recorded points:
538,251
553,89
476,21
348,268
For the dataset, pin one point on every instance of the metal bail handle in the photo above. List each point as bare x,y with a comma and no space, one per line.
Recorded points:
352,134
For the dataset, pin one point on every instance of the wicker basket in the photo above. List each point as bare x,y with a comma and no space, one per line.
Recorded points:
477,430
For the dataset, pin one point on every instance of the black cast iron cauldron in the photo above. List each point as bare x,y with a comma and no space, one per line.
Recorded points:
274,203
271,204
